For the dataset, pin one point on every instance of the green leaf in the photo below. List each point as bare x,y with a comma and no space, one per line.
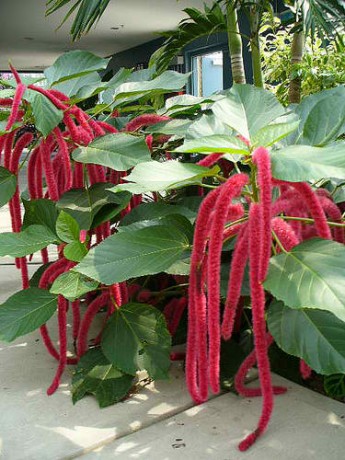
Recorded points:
298,163
74,64
73,285
67,228
81,87
47,116
141,252
155,176
153,211
40,212
36,277
96,375
175,127
320,120
215,143
8,184
120,151
25,311
247,109
316,336
136,337
26,242
85,204
334,385
208,125
75,251
311,275
325,122
168,81
270,134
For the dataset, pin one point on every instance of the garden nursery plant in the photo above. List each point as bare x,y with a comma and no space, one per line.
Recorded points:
193,220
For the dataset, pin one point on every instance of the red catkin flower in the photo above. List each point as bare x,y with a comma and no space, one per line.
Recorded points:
76,318
305,370
46,147
90,313
261,158
259,324
242,373
334,213
50,95
285,233
229,190
15,74
147,119
82,236
210,160
20,90
65,158
238,264
107,127
62,320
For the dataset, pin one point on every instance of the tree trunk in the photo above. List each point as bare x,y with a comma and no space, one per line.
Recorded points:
254,21
235,44
297,49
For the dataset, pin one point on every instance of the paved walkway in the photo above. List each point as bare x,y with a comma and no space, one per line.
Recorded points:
157,423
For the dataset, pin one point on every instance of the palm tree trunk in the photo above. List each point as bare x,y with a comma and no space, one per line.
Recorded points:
235,44
297,50
254,21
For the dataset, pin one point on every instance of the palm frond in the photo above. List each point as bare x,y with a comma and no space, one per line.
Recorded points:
89,12
197,24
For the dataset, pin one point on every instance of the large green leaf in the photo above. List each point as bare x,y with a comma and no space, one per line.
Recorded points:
96,375
208,125
119,152
156,176
140,252
316,336
279,129
83,86
308,111
136,337
67,228
47,116
247,109
8,184
40,212
26,242
73,285
325,122
215,143
85,204
152,211
311,275
75,251
74,64
298,163
131,91
25,311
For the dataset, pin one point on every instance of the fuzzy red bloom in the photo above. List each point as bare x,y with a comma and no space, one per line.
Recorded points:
50,95
259,324
305,370
62,320
334,213
147,119
20,90
210,160
262,159
238,264
285,233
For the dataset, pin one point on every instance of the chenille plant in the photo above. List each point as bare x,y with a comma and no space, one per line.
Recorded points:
141,214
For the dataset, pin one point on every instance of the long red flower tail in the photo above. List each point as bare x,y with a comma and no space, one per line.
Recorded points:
146,119
90,313
261,158
259,325
229,190
334,213
20,90
305,370
62,320
76,318
285,233
210,160
242,373
238,264
196,357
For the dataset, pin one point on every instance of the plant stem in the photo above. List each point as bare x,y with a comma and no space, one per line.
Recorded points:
277,240
297,49
235,44
307,220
